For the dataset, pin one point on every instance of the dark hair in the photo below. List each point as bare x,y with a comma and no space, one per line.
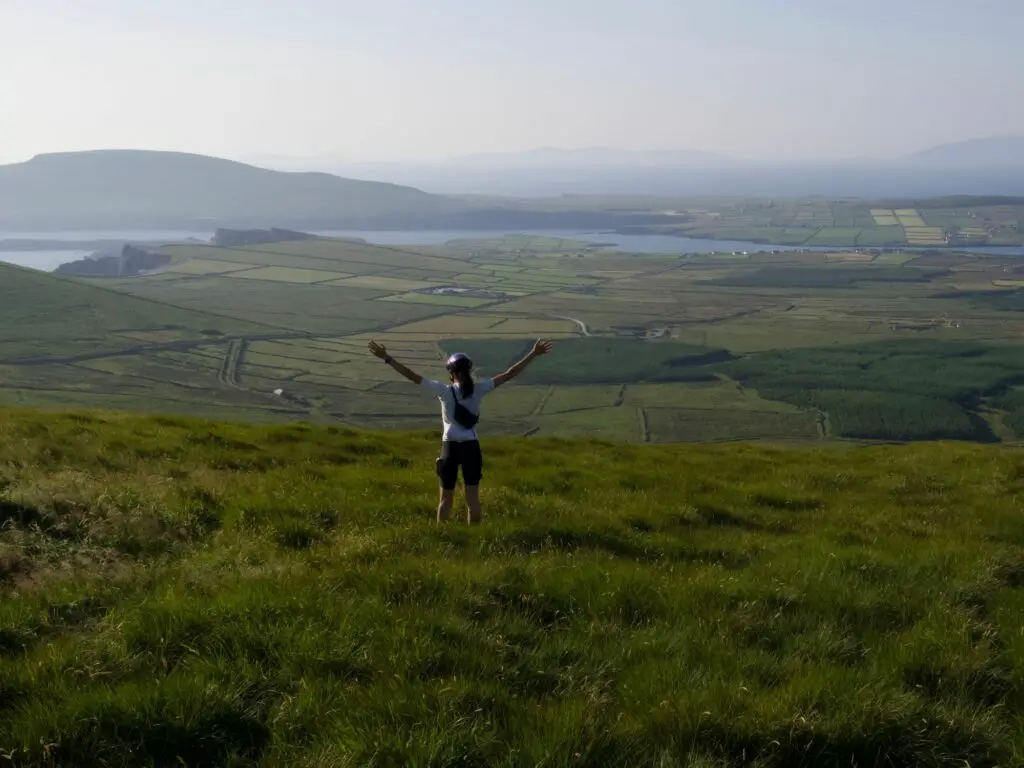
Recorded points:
465,380
460,367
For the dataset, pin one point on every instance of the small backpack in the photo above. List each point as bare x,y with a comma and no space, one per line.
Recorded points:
464,417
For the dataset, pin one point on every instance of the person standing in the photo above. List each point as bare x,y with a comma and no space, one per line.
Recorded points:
460,400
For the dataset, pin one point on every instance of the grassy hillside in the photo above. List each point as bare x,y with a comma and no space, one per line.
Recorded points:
46,316
180,592
128,188
918,389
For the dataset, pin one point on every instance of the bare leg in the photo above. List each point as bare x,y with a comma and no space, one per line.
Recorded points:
444,506
473,502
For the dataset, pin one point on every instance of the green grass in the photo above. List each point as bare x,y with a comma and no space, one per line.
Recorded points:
688,424
566,399
43,315
828,277
439,299
296,307
290,275
593,360
181,592
909,390
835,236
899,258
193,266
888,235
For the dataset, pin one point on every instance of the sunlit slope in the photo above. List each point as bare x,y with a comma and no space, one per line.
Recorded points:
183,592
46,316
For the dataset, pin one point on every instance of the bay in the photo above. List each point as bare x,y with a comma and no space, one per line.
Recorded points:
662,244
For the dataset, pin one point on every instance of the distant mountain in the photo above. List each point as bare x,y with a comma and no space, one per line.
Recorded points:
996,152
124,189
981,167
598,157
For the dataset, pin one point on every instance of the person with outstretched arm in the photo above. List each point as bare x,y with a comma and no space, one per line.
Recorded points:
460,411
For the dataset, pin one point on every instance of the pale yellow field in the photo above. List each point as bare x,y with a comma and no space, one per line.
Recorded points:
913,223
911,220
884,217
924,235
289,275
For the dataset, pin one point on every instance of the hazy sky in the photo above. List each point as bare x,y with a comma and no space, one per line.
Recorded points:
428,79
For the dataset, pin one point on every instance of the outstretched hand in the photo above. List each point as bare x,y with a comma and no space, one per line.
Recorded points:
541,347
378,350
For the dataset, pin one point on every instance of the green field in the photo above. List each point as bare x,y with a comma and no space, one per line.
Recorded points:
816,222
834,236
287,275
653,348
439,299
178,592
595,360
881,236
903,391
42,316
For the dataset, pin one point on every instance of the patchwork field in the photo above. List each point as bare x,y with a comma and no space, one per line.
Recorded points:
651,348
939,223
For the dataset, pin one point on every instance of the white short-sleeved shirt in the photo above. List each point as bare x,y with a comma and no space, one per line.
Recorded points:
453,431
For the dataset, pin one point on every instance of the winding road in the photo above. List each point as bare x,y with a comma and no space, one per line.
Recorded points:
582,325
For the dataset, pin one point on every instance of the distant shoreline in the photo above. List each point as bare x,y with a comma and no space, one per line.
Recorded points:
605,237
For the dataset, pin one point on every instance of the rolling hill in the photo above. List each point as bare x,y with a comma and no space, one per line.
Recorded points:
995,152
598,157
183,592
125,189
47,316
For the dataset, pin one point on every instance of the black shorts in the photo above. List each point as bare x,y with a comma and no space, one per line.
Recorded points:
454,455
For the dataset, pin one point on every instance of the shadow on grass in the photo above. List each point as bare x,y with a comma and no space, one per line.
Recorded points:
59,617
991,684
628,546
785,503
14,641
223,737
717,517
19,514
899,739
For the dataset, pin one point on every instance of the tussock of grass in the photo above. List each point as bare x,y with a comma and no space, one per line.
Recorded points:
223,594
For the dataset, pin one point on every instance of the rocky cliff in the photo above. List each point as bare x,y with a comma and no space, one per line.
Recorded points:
130,262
